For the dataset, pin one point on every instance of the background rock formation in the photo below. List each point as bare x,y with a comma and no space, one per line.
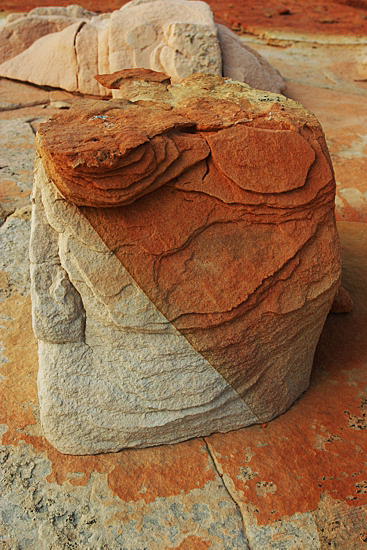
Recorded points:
66,47
218,201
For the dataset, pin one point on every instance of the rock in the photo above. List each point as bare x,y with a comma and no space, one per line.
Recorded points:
343,302
223,225
59,104
21,30
17,149
49,60
73,11
117,79
137,373
128,82
244,64
177,37
14,267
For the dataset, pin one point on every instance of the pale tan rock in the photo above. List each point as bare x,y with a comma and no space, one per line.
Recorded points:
86,48
177,37
244,64
19,33
103,48
58,104
362,68
14,16
71,11
49,60
21,30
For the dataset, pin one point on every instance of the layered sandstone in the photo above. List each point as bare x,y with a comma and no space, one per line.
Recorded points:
66,47
196,301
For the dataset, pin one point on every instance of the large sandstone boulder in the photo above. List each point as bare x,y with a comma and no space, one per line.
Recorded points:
184,259
66,47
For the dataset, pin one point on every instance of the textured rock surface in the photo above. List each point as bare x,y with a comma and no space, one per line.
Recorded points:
17,143
238,490
212,181
244,64
176,36
324,79
21,30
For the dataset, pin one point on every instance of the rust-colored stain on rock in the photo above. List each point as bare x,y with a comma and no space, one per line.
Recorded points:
19,390
161,471
192,541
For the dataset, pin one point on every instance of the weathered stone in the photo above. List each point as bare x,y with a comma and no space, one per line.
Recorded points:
117,79
177,37
14,267
223,223
137,372
17,145
73,11
20,33
49,60
244,64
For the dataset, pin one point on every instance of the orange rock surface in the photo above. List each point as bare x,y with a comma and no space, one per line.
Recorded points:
114,80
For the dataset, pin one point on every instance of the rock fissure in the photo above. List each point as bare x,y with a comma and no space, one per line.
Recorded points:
76,53
230,493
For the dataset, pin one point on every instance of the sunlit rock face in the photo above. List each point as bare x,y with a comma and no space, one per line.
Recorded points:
66,47
184,259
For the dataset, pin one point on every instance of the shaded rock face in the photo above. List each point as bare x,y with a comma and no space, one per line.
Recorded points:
66,47
192,260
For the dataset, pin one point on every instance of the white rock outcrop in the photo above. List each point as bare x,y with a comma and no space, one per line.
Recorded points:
66,47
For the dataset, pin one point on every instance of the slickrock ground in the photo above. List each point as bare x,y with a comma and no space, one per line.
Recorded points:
298,482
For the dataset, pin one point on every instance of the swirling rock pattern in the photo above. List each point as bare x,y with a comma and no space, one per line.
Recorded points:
218,201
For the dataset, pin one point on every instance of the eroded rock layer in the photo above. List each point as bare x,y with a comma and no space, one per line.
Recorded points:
218,200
